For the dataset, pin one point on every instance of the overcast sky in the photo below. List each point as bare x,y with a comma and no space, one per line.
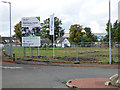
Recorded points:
88,13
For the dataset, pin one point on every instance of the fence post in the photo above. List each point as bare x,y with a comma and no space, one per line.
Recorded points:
47,52
31,52
24,52
38,52
77,61
114,52
11,50
13,57
76,51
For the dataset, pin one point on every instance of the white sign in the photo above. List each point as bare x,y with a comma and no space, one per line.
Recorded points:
30,41
51,24
30,22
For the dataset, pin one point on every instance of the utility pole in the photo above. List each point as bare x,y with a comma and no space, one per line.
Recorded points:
10,26
109,33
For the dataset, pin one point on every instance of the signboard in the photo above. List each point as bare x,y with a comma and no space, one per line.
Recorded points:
30,41
30,26
51,24
30,31
30,22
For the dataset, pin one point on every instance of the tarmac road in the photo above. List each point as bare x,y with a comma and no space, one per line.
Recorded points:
36,76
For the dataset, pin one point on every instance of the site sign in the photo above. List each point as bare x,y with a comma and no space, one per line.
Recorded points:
30,26
30,31
30,22
30,41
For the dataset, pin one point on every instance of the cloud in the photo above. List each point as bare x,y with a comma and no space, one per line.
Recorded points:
95,27
89,13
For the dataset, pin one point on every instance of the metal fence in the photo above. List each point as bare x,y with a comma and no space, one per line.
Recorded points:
80,52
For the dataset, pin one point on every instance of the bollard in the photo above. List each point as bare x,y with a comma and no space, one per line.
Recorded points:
13,57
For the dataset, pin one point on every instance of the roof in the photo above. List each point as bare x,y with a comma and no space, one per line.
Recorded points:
66,36
60,40
8,39
45,40
99,33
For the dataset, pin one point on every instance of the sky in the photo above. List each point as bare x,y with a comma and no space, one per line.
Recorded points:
88,13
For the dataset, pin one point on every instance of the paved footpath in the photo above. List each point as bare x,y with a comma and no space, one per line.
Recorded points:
90,83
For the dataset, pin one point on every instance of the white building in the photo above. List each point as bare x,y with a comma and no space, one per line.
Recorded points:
100,35
62,42
45,41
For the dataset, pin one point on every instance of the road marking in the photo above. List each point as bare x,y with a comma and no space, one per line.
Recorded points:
4,67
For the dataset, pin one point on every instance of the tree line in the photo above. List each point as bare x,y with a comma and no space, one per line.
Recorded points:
76,31
115,32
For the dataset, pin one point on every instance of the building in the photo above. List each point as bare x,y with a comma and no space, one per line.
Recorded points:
66,35
100,35
119,11
45,41
62,42
8,40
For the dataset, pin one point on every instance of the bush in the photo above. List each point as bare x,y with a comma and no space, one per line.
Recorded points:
44,45
50,46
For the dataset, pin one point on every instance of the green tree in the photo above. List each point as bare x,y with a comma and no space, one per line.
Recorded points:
107,29
76,34
117,33
58,30
17,30
89,37
114,31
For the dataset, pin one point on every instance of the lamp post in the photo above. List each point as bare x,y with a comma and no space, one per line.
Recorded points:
109,33
10,24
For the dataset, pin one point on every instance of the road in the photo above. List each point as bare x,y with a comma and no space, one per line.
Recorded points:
36,76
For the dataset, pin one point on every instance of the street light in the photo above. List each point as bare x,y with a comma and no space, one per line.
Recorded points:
109,32
5,2
10,22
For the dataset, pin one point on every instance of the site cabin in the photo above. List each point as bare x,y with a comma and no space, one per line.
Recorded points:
62,42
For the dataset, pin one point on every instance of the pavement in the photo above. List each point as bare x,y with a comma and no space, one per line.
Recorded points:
89,83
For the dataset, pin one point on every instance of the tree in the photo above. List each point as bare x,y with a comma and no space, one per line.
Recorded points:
89,37
107,29
17,30
58,30
76,34
114,31
117,33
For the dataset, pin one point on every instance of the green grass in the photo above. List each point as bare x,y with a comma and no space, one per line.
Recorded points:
65,54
